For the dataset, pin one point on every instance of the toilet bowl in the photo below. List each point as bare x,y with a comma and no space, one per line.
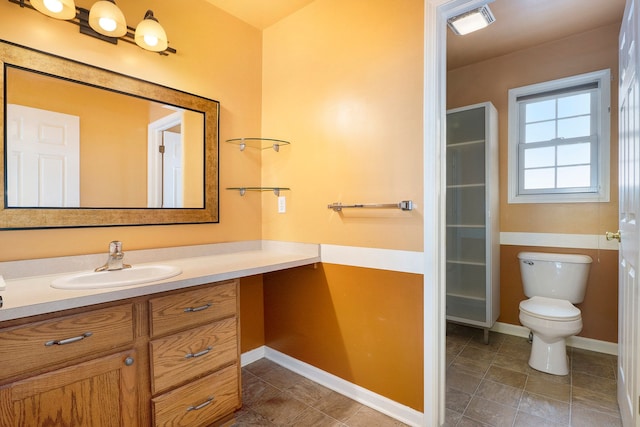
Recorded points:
551,321
553,283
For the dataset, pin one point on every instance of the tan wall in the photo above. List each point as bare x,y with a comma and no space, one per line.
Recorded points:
490,81
206,64
350,100
362,325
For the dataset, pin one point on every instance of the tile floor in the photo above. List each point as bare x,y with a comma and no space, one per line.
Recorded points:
493,385
487,385
275,396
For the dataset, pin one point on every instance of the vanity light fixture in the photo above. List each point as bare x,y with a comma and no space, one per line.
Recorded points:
105,21
471,20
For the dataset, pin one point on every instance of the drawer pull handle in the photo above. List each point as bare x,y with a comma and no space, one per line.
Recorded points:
198,354
200,406
194,309
68,340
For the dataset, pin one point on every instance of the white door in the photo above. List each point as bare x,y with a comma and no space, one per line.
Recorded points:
157,147
43,158
172,170
629,193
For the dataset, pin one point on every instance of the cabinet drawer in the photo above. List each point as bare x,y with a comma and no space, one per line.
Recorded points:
200,402
176,312
192,353
38,345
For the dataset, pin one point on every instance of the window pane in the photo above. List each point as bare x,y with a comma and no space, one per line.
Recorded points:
539,178
574,105
574,154
539,157
542,110
574,127
574,176
537,132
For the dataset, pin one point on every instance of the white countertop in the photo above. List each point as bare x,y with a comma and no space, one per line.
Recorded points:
31,295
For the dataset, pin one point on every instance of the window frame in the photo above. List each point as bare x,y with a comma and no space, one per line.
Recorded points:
600,143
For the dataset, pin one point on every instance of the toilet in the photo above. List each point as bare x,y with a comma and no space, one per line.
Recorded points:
553,283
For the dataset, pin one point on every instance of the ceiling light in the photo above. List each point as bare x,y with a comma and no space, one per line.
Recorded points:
107,19
471,21
150,35
60,9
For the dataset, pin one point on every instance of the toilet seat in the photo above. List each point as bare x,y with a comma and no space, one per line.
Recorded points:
558,310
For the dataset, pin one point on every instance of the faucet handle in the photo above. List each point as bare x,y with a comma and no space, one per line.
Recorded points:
115,246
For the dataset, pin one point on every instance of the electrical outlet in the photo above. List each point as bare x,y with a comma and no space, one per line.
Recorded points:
282,204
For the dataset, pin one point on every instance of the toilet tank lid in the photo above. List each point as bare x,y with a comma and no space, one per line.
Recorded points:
553,257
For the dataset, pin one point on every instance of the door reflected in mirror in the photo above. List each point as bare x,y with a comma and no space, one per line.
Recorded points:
71,144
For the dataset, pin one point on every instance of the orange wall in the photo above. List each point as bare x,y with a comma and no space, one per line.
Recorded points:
489,81
343,81
251,313
206,64
363,325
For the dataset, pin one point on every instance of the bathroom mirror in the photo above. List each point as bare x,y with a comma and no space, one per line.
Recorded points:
84,147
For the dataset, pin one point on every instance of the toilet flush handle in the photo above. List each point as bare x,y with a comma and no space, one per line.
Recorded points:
611,235
528,262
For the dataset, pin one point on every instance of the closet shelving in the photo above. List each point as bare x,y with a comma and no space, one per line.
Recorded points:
473,251
259,144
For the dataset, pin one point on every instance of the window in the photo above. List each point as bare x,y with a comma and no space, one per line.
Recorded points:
559,140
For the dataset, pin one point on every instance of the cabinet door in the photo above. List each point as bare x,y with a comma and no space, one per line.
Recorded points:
100,392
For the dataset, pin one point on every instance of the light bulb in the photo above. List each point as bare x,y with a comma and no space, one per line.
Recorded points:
54,6
151,40
107,24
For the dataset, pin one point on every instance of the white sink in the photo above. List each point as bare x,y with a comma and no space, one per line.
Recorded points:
111,279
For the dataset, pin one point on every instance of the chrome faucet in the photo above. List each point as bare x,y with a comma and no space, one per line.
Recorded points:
114,262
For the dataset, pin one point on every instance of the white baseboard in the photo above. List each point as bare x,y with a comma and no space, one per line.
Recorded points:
252,356
368,398
577,342
385,405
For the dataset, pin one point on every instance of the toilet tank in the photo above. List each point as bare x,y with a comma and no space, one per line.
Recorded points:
561,276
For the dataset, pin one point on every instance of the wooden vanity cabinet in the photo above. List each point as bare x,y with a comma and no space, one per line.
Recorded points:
125,363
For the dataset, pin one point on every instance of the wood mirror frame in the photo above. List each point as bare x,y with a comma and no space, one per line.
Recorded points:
24,218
